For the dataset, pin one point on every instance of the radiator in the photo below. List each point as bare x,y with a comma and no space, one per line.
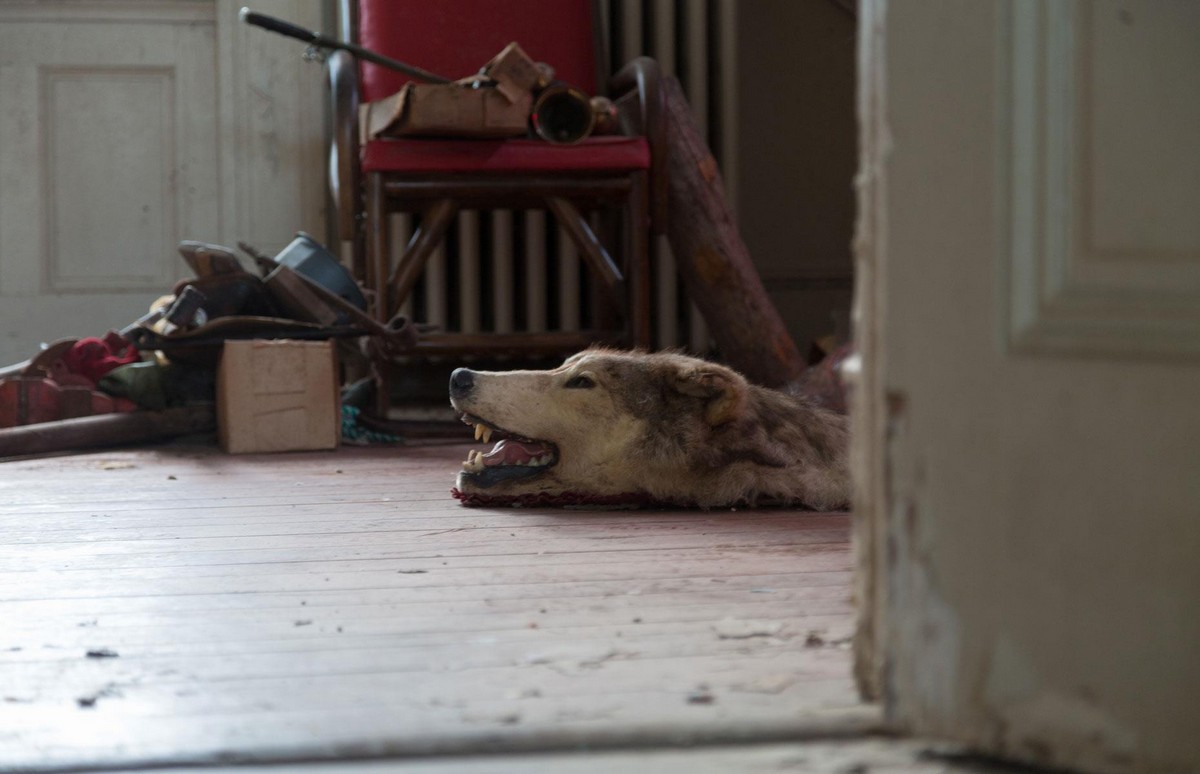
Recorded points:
507,271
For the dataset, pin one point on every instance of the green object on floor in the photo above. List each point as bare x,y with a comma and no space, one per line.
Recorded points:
154,386
141,382
354,434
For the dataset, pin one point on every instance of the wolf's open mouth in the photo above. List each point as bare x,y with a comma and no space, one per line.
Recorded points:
512,457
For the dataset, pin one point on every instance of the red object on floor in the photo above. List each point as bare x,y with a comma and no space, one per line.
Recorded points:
27,400
93,357
564,500
31,400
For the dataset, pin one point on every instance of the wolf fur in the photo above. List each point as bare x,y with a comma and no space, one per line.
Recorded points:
612,427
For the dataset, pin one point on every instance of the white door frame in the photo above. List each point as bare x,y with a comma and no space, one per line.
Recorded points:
868,415
1024,417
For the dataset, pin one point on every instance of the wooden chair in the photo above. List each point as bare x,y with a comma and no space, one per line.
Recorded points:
434,178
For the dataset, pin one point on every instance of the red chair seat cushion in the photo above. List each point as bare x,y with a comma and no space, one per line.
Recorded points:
595,154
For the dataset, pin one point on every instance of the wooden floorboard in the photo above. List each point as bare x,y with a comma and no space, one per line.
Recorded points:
314,606
875,755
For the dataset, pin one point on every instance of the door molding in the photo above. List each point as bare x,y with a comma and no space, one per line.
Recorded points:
1076,284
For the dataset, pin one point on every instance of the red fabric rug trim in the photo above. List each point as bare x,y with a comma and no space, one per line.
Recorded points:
564,500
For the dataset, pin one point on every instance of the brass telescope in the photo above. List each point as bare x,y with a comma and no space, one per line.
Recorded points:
564,115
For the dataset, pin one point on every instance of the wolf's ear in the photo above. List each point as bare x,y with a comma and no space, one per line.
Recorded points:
723,390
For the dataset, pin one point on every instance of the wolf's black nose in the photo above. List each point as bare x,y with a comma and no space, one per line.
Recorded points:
461,382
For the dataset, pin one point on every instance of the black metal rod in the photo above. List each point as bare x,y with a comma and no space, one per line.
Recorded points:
316,39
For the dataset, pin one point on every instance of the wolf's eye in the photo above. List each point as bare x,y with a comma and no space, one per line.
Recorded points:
580,382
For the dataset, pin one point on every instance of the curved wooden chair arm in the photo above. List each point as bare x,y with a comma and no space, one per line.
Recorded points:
344,176
636,90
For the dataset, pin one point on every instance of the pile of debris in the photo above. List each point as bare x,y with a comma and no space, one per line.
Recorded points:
157,376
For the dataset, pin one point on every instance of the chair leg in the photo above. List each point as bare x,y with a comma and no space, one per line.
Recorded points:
581,234
358,255
377,261
377,246
433,228
637,236
609,310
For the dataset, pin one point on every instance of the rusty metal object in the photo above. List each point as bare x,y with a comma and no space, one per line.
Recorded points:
105,430
715,263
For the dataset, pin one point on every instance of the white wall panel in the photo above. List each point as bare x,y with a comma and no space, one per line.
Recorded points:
129,125
1095,117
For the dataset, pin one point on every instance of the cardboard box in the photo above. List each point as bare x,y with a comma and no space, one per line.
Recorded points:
515,73
278,396
445,110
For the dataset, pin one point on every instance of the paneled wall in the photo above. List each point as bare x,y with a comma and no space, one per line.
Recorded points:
129,125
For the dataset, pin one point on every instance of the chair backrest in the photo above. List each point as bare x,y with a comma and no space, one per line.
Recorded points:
455,39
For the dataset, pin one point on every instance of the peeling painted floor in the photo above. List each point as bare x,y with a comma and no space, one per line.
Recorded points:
177,606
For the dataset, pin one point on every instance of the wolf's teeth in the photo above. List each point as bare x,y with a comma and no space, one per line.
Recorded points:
487,434
479,428
544,460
